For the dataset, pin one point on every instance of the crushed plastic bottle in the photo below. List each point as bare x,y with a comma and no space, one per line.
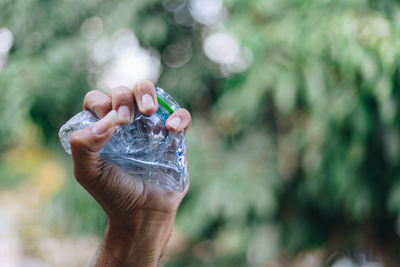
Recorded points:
144,148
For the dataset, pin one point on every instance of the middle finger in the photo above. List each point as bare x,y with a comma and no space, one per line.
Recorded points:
123,102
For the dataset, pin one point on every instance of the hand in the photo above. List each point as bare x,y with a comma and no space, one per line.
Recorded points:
140,215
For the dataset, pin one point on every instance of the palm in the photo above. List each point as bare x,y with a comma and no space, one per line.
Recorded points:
122,195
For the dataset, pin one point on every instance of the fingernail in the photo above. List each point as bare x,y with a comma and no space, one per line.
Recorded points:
175,122
147,102
124,114
105,123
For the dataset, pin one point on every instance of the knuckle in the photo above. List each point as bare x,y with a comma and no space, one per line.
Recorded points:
104,102
90,96
145,85
185,112
95,99
91,93
101,104
120,90
121,96
76,139
186,115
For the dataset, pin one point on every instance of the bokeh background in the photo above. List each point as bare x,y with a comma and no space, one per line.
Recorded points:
294,150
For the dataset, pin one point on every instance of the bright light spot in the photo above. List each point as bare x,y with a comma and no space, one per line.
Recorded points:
128,64
243,61
222,48
361,262
92,27
344,262
177,55
6,41
207,11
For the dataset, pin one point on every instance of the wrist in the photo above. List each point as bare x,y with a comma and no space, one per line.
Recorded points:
139,241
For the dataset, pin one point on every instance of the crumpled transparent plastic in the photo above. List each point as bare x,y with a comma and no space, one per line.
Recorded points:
145,149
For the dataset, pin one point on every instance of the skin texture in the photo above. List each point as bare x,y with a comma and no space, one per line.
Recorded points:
140,215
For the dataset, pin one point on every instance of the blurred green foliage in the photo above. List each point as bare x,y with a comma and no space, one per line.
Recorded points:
299,151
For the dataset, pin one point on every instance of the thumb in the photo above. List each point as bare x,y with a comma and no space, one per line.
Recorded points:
86,145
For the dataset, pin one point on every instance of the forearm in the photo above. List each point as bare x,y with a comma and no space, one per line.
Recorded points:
137,243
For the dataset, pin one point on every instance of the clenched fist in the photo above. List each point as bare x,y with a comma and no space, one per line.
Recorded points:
140,215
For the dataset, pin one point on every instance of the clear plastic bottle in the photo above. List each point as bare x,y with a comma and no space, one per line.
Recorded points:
144,148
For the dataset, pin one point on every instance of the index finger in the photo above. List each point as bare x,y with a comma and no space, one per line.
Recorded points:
98,102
